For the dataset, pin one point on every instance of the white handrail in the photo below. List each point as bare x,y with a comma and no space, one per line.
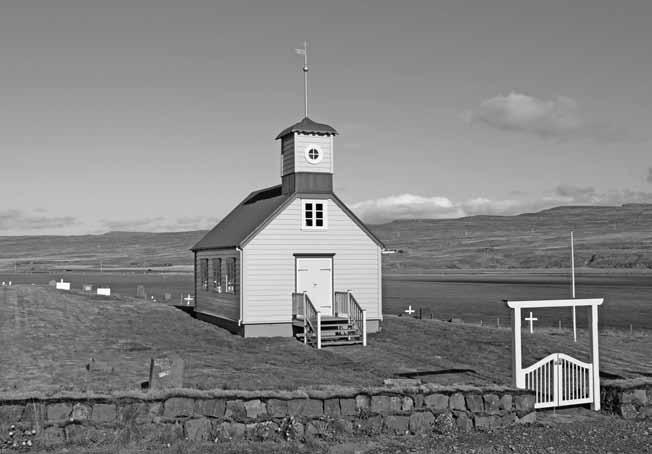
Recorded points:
318,330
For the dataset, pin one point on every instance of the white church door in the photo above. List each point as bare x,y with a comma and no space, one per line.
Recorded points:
315,277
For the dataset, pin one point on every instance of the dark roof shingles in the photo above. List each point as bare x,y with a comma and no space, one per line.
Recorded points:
253,211
308,126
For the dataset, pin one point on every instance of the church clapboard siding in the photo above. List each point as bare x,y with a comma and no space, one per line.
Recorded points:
270,271
224,304
287,155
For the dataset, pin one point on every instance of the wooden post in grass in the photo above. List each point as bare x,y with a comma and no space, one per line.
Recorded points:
517,377
595,358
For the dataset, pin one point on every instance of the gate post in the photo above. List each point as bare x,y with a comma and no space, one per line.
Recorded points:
595,359
517,364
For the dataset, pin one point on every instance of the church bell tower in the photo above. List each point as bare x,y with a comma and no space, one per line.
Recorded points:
307,149
307,157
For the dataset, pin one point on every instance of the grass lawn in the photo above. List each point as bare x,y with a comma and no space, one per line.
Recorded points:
49,337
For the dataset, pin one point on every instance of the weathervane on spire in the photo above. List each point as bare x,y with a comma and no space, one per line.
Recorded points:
304,52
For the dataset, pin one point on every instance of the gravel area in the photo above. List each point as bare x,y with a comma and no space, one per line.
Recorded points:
568,431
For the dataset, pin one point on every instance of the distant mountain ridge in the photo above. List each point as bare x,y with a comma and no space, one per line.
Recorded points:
605,237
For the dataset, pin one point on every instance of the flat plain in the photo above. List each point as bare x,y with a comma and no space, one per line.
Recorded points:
58,341
473,296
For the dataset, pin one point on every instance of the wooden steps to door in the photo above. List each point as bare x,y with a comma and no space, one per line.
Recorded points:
334,331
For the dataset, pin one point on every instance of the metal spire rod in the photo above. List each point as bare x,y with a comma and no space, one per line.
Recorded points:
304,52
305,75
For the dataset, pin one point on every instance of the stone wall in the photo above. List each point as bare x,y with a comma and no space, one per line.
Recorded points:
259,415
631,399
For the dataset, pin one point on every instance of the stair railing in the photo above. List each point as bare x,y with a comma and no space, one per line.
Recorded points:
357,316
297,306
311,318
342,305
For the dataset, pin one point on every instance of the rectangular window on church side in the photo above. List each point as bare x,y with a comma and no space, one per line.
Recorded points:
217,275
203,273
230,275
314,215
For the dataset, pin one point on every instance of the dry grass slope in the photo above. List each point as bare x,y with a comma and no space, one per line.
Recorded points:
48,338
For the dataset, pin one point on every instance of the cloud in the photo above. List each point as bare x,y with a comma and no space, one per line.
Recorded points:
406,206
158,224
14,222
410,206
557,118
649,175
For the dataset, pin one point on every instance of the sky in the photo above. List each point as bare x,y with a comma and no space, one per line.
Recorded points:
157,115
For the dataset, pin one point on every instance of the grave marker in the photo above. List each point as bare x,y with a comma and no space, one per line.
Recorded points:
62,285
87,288
166,372
531,320
409,310
104,291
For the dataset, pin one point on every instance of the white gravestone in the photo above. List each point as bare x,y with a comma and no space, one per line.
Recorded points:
104,291
63,285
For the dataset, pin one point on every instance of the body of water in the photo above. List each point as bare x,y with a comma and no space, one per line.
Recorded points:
470,296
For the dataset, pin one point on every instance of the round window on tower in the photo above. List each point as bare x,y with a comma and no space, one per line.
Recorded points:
314,154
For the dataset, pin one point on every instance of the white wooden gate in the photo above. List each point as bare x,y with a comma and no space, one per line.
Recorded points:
558,380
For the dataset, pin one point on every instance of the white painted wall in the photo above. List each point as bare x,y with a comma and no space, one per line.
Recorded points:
269,275
303,141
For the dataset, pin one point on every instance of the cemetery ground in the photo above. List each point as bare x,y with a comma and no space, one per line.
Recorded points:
58,341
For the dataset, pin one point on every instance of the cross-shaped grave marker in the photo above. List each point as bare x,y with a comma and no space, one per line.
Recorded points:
409,310
531,320
188,299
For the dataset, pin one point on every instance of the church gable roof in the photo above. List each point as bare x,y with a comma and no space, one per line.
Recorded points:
309,127
253,211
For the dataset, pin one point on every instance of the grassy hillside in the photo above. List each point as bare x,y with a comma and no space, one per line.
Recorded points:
49,338
606,237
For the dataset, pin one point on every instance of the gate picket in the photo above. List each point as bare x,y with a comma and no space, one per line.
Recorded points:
558,380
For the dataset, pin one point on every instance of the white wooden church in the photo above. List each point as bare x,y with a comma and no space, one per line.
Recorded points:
292,259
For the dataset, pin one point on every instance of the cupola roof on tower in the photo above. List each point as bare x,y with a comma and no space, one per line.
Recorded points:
308,126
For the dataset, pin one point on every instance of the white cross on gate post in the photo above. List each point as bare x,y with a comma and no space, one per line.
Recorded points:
188,299
531,320
409,310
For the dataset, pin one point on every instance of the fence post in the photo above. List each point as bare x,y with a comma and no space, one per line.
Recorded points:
517,364
595,359
364,327
318,330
